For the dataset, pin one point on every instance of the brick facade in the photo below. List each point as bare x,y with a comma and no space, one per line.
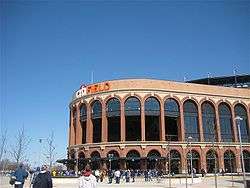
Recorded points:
161,90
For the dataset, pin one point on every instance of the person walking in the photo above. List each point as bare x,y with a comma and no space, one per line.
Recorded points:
97,175
110,176
20,175
43,179
133,175
87,180
117,176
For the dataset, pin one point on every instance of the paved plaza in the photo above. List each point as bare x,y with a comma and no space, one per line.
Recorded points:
208,182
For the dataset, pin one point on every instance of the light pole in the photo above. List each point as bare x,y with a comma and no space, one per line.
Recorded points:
238,119
110,156
191,158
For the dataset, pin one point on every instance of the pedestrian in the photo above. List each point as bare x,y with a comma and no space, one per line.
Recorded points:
87,180
97,175
117,176
43,179
146,175
20,175
110,176
133,175
34,175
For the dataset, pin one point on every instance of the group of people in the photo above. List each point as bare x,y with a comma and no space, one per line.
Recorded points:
39,179
117,175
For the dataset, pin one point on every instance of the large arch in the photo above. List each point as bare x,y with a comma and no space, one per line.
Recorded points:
133,160
152,119
96,117
208,121
113,159
133,119
95,160
81,161
83,119
229,161
113,113
175,161
226,126
241,111
172,119
153,158
212,161
196,163
190,111
246,156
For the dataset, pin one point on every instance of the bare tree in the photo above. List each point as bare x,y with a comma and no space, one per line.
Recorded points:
50,149
3,141
19,149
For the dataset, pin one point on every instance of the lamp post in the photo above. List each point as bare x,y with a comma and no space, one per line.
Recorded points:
191,158
110,156
238,119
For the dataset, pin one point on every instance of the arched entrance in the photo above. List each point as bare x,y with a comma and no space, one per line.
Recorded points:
153,159
210,159
113,160
246,155
229,161
133,160
175,162
81,161
195,161
172,119
95,160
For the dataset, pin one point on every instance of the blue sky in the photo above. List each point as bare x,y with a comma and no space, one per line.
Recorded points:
48,49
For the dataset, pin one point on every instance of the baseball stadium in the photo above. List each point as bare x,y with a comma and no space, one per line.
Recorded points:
158,124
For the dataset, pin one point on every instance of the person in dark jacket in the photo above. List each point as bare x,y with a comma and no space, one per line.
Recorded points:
20,175
43,179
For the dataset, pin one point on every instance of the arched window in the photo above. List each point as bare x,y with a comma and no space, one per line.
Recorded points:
172,119
211,163
152,119
229,161
83,118
96,115
133,160
225,123
191,120
208,122
95,160
246,156
241,112
83,112
175,161
133,119
113,109
132,107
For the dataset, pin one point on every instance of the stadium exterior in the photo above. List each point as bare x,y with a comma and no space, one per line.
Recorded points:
140,121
